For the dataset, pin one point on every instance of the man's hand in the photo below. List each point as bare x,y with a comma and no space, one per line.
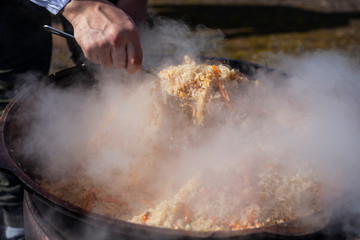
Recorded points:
105,33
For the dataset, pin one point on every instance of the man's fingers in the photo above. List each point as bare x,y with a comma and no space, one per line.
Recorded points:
105,58
134,57
119,57
122,51
106,34
92,57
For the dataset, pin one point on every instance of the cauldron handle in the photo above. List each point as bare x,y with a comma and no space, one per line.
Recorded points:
6,163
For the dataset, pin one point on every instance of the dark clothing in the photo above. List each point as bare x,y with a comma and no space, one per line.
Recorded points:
24,46
11,195
77,56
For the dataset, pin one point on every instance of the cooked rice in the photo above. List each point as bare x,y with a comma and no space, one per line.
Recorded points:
228,204
229,198
191,81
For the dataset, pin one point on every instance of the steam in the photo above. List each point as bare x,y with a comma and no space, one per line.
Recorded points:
326,84
174,38
311,118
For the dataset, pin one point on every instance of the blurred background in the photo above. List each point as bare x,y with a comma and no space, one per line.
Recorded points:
257,30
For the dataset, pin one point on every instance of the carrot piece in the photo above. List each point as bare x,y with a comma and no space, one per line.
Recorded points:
171,79
145,217
235,226
215,70
89,199
223,94
251,217
186,213
194,112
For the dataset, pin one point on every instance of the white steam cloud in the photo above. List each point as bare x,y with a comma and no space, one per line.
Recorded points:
311,118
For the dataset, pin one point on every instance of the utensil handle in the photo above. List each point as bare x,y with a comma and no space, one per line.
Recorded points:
58,32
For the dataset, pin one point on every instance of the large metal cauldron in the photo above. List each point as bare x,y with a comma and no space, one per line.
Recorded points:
73,222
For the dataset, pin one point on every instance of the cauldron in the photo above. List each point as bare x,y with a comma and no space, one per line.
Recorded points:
75,223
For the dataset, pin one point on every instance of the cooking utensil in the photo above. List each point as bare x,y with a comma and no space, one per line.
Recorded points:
171,101
143,68
69,36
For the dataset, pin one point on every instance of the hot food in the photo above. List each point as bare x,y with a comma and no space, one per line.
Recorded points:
236,202
156,167
200,83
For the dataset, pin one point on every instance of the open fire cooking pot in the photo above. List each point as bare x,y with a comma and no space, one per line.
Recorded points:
75,223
